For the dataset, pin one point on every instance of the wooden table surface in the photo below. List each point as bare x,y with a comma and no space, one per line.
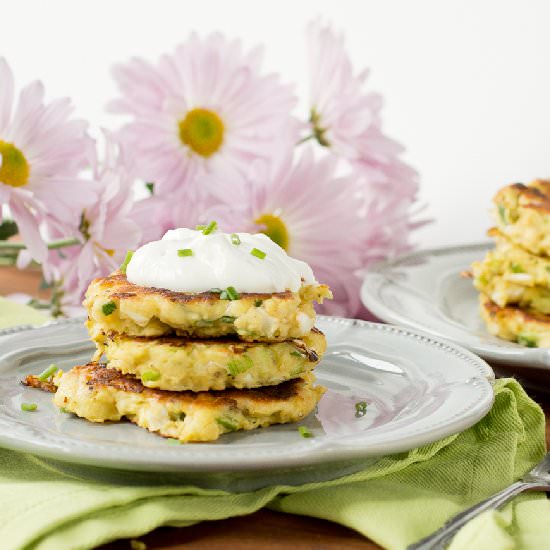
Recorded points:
264,529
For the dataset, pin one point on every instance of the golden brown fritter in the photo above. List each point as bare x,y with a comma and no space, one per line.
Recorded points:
101,394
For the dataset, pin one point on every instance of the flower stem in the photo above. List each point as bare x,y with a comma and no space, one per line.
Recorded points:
62,243
304,139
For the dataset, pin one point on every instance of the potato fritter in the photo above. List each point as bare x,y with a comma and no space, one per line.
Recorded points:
101,394
115,305
517,325
177,364
522,213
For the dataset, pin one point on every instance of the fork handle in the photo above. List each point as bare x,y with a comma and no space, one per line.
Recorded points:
440,538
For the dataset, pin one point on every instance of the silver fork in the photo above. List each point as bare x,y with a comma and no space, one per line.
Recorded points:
538,479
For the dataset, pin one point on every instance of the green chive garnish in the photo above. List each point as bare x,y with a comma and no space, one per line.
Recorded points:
258,253
200,227
126,261
150,187
227,319
258,303
528,340
296,353
64,410
150,376
227,424
235,238
360,409
108,308
240,365
46,373
229,294
516,268
29,407
209,228
215,290
304,432
185,252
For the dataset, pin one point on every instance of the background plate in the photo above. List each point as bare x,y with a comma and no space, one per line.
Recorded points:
419,389
424,290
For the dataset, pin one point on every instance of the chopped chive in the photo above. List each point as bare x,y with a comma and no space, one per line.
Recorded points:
258,303
304,432
235,238
150,187
47,372
227,319
258,253
215,290
528,340
230,294
227,424
185,252
126,261
210,228
108,308
29,407
200,227
502,214
150,376
296,353
240,365
516,268
360,409
64,410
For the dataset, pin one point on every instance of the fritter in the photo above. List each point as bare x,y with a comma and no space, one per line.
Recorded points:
177,364
511,275
517,325
115,305
522,213
101,394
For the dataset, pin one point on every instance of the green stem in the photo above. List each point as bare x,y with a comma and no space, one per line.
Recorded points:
304,139
8,245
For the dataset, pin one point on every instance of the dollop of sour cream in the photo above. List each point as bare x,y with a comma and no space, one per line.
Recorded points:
186,260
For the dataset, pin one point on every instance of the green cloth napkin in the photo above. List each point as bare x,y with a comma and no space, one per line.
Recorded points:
12,314
396,501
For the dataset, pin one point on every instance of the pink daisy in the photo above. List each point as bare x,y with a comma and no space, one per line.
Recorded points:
42,151
309,211
204,109
106,228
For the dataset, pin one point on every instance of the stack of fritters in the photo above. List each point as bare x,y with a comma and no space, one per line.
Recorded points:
514,278
193,366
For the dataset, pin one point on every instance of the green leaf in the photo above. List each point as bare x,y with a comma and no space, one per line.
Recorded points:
239,365
8,228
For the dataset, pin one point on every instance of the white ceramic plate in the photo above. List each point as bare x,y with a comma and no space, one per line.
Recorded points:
424,291
419,389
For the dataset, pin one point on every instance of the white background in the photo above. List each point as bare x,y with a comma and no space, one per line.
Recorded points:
466,84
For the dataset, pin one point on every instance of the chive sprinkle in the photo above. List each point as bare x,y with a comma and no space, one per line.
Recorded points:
258,303
229,294
258,253
150,376
150,187
29,407
200,227
209,228
227,424
47,372
235,238
108,308
304,432
360,409
185,252
126,261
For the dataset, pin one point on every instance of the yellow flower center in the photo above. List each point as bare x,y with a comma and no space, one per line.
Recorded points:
15,169
202,131
275,229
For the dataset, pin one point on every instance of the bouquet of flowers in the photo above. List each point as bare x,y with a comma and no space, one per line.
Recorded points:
206,136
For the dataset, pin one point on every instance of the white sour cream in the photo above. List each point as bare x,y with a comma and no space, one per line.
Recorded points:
216,263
